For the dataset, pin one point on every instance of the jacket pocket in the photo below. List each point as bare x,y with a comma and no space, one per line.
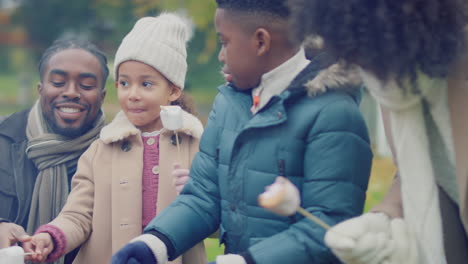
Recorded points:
290,158
7,195
222,235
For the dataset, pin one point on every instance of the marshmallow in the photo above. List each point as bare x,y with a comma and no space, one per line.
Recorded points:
281,197
12,255
171,117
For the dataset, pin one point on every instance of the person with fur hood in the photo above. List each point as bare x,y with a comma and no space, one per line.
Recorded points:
278,114
413,60
126,176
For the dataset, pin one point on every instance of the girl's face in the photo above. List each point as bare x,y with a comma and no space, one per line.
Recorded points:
142,90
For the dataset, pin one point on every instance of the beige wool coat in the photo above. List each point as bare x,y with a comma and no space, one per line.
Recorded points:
104,209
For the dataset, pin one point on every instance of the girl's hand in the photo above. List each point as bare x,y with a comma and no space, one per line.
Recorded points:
41,245
180,177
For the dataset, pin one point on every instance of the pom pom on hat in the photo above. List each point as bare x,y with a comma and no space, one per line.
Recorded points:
159,42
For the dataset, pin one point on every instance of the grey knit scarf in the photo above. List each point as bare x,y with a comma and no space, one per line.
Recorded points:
52,154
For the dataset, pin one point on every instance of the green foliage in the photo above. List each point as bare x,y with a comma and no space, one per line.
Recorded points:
105,22
213,248
202,13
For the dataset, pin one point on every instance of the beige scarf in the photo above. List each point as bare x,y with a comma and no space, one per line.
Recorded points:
52,154
409,133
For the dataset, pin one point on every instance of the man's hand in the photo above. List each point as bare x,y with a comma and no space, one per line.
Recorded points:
11,234
180,177
134,253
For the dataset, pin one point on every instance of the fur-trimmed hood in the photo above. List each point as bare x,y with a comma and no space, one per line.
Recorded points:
337,76
121,128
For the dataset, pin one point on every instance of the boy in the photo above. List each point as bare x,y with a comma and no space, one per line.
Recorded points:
264,124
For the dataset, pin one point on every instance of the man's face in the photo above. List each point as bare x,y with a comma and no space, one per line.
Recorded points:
71,92
238,51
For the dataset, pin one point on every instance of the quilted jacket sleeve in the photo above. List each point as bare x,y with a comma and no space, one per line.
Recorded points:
337,163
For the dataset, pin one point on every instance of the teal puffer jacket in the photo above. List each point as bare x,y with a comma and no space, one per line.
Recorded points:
320,143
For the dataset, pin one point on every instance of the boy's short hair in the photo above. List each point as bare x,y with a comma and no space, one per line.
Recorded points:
274,7
62,44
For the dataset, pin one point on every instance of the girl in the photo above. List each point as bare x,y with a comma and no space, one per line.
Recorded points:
124,179
413,58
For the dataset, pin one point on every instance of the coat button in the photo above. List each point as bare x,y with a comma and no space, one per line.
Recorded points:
155,169
150,141
123,181
279,115
126,147
174,140
232,207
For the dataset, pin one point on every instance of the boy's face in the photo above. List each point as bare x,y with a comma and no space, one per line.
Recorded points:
238,51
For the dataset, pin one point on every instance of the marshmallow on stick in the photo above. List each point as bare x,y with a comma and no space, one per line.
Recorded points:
12,255
171,118
282,197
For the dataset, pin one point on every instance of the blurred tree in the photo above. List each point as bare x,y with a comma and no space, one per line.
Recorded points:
105,21
45,20
201,12
113,19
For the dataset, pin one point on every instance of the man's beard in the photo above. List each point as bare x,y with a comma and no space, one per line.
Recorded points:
68,131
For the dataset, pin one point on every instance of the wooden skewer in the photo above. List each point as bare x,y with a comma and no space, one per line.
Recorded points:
178,147
313,218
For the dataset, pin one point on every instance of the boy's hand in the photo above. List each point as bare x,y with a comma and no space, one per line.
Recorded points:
41,245
180,177
11,233
134,253
364,239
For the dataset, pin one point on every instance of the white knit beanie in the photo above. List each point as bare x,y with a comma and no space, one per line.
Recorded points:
159,42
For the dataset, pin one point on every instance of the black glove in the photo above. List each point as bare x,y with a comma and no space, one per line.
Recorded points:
134,253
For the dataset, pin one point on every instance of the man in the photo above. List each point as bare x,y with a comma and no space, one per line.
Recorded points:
41,146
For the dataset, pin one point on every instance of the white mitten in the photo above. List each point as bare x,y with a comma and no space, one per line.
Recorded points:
403,244
361,240
230,259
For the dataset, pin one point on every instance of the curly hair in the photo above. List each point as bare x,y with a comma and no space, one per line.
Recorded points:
274,7
387,37
186,102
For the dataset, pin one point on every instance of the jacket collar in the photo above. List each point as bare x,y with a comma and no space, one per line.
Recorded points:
278,79
324,74
14,125
121,128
